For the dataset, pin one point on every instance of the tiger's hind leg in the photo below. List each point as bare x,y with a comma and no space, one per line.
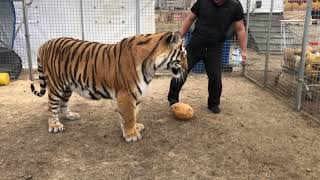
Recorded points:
131,130
53,122
65,108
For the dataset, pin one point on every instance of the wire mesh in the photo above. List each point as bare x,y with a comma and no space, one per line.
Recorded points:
311,92
104,21
10,62
271,63
257,39
170,16
280,72
7,26
287,79
97,20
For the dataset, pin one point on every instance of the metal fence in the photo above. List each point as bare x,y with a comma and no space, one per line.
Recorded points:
170,16
276,30
10,62
102,21
277,43
97,20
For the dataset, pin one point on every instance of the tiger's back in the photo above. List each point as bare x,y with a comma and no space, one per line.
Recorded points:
79,65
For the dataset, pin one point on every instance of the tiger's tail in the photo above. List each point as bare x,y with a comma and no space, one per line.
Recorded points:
43,84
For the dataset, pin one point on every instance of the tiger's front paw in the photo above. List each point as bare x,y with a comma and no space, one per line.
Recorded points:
132,134
55,125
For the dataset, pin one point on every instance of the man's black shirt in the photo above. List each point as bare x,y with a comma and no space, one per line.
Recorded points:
213,21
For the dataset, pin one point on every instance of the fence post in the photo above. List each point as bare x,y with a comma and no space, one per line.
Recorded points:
137,17
27,36
303,54
247,32
248,19
266,69
81,19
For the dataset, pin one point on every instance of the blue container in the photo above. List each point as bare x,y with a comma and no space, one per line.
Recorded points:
199,67
226,52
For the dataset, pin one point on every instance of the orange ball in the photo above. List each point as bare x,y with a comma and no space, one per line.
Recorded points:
182,111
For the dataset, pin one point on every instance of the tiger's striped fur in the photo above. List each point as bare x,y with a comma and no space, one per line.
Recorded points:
120,71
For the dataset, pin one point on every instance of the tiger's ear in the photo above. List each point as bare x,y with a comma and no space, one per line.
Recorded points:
174,39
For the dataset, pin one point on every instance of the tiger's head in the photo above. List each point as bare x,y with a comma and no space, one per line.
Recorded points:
178,63
171,54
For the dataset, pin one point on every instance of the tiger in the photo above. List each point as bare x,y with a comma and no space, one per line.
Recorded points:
120,71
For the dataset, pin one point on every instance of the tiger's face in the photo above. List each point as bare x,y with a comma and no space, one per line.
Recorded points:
179,65
173,55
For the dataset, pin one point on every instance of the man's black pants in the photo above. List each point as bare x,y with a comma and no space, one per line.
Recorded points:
211,56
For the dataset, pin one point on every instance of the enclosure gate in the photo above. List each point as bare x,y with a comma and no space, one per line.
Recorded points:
276,44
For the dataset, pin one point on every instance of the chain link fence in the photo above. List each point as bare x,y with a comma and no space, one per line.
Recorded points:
106,22
102,21
170,16
10,62
275,37
276,49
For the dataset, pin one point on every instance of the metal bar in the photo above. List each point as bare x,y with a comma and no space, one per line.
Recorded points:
137,17
268,45
248,19
303,54
253,80
247,32
283,30
29,21
291,20
81,19
27,36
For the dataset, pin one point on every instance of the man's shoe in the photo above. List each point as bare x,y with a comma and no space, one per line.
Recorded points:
214,109
173,102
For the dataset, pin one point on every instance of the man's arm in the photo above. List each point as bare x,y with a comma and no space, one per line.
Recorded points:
187,23
242,35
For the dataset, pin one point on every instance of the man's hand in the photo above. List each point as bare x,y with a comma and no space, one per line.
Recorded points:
241,33
244,57
187,23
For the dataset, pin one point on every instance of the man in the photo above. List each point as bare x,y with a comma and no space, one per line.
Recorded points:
214,20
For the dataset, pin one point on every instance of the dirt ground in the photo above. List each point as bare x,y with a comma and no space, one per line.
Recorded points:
256,136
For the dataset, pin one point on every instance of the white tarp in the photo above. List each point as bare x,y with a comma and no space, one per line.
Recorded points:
106,21
7,24
265,6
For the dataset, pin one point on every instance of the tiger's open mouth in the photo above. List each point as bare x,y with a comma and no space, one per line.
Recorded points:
176,72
